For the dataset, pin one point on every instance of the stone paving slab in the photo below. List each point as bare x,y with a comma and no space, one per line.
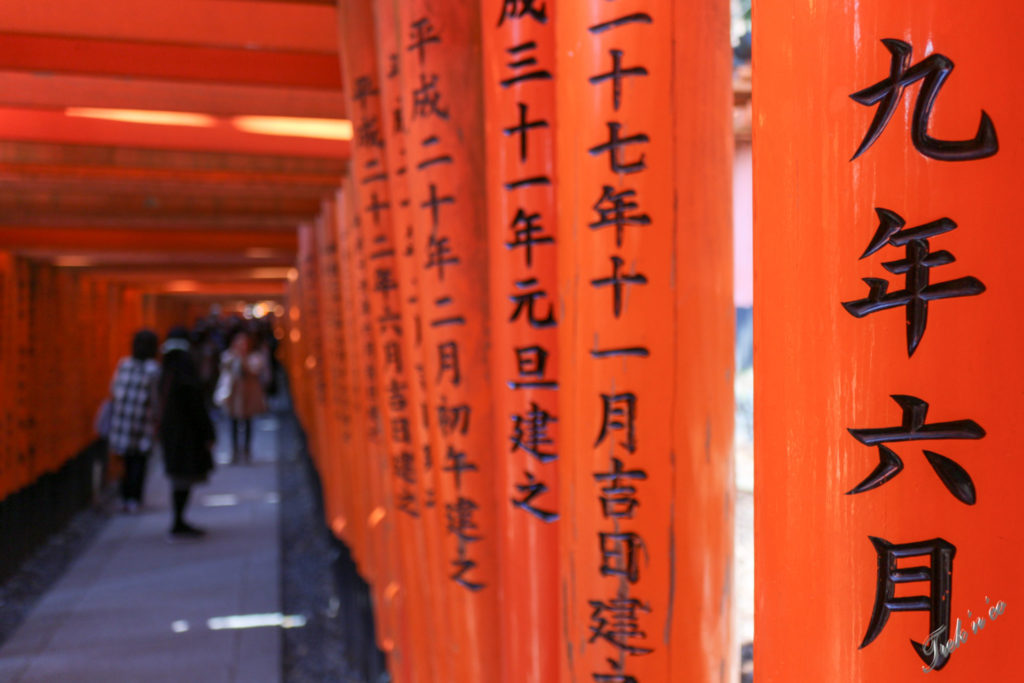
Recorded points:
135,607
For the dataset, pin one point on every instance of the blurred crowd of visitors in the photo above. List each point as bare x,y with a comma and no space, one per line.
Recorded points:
163,397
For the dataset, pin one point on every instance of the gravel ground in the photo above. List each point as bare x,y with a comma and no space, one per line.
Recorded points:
319,582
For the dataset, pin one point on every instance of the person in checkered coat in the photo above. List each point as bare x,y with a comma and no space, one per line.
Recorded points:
133,415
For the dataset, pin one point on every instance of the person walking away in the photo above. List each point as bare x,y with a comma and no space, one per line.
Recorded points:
247,368
206,354
133,416
186,431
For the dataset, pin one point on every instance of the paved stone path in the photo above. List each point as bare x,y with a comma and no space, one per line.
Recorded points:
135,607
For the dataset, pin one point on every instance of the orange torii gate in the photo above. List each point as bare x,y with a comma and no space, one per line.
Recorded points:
646,340
589,526
519,99
886,161
50,396
439,53
379,191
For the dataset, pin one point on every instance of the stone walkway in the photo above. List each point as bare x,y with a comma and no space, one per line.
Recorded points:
135,607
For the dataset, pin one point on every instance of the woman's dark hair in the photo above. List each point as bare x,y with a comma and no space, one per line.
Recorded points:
178,332
178,366
144,345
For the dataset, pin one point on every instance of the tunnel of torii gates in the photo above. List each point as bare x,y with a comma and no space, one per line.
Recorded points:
509,319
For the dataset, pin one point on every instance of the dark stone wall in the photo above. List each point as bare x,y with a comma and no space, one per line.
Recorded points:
29,517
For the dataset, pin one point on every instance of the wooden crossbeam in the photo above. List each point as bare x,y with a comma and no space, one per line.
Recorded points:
238,23
56,91
171,190
166,61
208,222
38,125
120,204
182,240
12,152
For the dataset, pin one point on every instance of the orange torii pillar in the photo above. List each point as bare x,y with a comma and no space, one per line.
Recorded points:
316,387
887,354
424,469
440,57
519,98
646,340
331,372
23,374
392,362
381,562
360,493
10,341
7,397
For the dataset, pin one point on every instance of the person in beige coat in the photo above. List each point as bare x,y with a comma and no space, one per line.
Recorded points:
247,369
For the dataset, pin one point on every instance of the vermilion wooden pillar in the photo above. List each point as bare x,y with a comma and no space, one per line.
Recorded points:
888,375
645,354
23,371
429,558
520,126
7,398
312,331
382,551
330,374
439,48
393,364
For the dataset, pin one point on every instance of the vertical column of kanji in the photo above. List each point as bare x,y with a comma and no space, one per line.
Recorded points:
381,519
424,468
519,98
327,300
377,210
351,508
330,367
644,414
363,496
441,68
324,393
887,157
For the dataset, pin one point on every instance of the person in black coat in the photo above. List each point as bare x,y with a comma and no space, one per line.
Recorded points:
186,431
